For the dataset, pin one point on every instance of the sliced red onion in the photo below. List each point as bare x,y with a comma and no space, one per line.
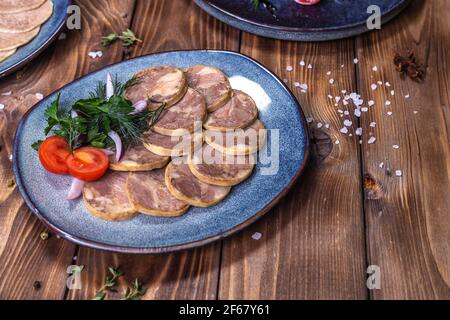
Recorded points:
107,152
73,114
139,106
109,86
119,146
76,189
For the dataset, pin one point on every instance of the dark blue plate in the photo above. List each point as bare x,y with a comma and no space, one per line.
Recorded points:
328,20
46,194
48,33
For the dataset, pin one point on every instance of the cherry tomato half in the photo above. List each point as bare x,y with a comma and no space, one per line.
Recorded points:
53,153
88,164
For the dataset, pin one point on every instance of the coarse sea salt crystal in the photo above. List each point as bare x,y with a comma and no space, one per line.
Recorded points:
327,125
398,173
346,113
373,124
257,236
340,111
375,68
328,73
387,84
296,84
39,96
62,36
331,81
389,113
95,54
407,96
319,125
416,112
381,165
348,123
336,142
302,63
364,109
7,93
254,90
388,103
309,119
395,146
289,68
2,106
357,113
337,99
310,66
371,103
372,140
355,61
373,86
330,96
392,92
344,130
359,131
380,82
304,86
345,102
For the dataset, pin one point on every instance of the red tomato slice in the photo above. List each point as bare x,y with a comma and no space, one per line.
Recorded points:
53,153
88,164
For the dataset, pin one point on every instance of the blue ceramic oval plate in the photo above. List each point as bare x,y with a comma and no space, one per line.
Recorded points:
48,33
46,194
328,20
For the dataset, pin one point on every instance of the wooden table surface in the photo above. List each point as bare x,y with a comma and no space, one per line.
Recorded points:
318,242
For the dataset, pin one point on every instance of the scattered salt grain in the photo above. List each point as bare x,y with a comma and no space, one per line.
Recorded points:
345,102
359,131
328,73
387,84
355,61
395,146
302,63
310,66
331,81
2,106
10,157
344,130
373,86
389,113
303,91
257,236
357,113
407,96
348,123
285,80
337,99
375,68
373,124
309,119
372,140
95,54
304,86
364,109
330,96
346,113
319,125
336,142
297,84
398,173
343,91
39,96
62,36
392,92
327,125
342,65
388,103
416,112
381,165
380,83
7,93
289,68
371,103
350,135
340,111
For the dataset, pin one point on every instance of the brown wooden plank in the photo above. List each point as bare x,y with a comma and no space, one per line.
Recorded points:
313,241
408,225
24,258
165,25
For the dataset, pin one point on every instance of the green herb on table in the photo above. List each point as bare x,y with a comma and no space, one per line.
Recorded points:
135,292
128,38
110,282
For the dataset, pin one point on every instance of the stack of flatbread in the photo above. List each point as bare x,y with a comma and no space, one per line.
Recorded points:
20,22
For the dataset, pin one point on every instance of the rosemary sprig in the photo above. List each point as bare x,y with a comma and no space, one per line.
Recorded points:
110,282
135,292
128,38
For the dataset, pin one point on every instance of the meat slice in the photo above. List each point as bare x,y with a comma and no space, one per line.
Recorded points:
239,112
185,116
240,141
148,193
184,186
211,166
138,158
165,84
212,83
107,198
169,146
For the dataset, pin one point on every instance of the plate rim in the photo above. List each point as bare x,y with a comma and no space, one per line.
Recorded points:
38,50
172,248
294,33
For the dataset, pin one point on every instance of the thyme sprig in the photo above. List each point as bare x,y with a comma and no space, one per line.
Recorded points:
110,282
135,292
128,38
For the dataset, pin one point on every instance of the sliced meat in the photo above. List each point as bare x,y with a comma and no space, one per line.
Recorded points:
107,198
148,193
138,158
212,166
184,117
158,85
6,54
239,112
169,146
14,6
26,20
212,83
185,186
238,142
11,41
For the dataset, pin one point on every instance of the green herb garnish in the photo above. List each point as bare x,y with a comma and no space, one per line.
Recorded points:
110,282
128,38
135,292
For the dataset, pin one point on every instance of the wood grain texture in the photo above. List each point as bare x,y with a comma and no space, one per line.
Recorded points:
313,241
24,257
175,25
409,225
